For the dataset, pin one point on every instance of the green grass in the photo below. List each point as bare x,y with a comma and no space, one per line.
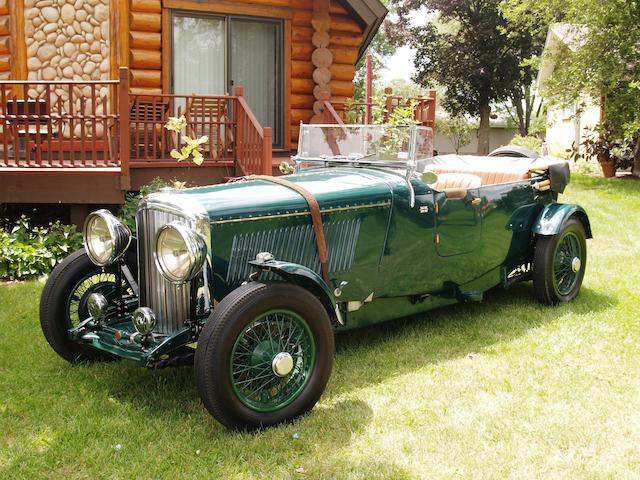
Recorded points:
507,388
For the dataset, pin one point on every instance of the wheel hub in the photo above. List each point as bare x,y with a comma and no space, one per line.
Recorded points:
576,264
282,364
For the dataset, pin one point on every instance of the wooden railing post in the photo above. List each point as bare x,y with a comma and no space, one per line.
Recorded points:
388,104
124,128
267,147
238,91
368,91
431,114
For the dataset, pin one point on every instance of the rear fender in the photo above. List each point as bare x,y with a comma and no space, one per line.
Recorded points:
555,215
305,278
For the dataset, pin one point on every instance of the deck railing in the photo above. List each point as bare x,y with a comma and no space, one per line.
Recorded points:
102,124
362,112
58,124
254,141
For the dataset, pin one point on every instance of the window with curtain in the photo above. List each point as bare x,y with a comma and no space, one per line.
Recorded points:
211,54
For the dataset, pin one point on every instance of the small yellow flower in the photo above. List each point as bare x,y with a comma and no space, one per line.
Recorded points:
176,124
191,149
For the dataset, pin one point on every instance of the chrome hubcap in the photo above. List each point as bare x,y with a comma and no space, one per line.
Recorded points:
282,364
576,264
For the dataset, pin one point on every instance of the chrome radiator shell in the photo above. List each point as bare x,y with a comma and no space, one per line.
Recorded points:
170,302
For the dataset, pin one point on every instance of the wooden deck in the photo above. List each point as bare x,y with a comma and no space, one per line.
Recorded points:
90,142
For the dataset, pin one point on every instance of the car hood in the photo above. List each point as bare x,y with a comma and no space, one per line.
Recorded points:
333,188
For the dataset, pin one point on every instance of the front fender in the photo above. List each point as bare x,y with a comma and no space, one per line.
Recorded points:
305,278
554,216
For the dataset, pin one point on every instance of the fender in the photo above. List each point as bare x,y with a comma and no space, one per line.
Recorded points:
305,278
554,216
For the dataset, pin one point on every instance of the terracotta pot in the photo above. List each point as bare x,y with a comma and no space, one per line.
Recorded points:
608,168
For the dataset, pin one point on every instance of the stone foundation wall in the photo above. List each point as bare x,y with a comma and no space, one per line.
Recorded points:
68,40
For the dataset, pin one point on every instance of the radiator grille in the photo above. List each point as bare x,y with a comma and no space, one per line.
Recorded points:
169,302
295,244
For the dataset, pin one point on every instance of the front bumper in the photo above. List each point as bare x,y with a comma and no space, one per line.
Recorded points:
122,340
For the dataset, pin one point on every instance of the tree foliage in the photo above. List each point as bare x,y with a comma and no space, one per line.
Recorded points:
457,129
473,52
602,61
380,48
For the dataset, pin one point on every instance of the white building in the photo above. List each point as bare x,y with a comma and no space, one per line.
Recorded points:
565,126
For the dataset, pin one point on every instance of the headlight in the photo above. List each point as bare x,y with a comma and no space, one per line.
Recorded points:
180,252
105,237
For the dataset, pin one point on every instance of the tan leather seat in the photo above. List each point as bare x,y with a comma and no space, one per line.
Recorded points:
488,176
455,185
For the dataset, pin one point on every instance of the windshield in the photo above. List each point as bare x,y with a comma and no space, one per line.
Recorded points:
389,145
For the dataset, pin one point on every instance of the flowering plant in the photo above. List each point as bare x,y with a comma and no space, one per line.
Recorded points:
191,149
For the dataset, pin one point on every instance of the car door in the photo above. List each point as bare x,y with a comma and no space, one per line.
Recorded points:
458,223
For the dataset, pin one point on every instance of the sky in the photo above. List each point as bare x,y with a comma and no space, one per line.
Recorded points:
399,65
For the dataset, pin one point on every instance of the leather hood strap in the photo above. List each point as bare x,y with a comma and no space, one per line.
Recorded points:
316,218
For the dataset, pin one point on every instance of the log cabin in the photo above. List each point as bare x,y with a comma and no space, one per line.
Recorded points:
86,87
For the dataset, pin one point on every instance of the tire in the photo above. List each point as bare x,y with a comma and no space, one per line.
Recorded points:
234,331
75,276
556,276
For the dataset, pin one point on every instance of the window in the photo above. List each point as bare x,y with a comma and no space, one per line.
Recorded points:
211,54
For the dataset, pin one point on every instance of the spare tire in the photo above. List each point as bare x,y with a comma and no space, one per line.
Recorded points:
514,151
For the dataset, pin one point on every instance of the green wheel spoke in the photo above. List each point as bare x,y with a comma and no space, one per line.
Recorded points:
567,250
257,355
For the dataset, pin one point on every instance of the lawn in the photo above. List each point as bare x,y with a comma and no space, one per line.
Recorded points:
507,388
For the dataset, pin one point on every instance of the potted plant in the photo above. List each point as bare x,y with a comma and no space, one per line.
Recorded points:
598,144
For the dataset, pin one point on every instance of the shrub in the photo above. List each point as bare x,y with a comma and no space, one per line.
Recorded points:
532,143
457,129
27,251
130,206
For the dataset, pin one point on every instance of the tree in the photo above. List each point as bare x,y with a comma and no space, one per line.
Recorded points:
405,89
602,62
472,51
457,129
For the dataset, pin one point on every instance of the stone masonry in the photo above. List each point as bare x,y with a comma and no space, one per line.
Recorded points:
68,40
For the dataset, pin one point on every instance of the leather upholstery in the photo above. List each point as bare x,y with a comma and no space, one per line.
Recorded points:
456,180
455,185
488,176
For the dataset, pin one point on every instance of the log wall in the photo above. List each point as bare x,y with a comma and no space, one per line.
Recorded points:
146,59
145,46
345,40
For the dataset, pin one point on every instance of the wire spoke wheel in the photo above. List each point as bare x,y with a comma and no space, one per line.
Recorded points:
264,356
567,263
559,263
96,282
63,304
272,360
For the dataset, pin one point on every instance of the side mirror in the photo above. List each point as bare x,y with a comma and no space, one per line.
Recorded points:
429,177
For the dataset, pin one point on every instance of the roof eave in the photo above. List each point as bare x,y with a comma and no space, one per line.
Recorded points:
370,14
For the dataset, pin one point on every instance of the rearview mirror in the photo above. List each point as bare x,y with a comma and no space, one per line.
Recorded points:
429,177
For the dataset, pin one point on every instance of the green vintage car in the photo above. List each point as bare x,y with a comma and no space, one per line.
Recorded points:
250,280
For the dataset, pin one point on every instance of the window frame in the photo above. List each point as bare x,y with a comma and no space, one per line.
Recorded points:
282,140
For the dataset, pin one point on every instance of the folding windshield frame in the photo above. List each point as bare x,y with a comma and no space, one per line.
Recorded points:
358,159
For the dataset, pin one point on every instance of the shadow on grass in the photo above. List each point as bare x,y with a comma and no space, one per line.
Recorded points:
622,186
372,354
400,346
